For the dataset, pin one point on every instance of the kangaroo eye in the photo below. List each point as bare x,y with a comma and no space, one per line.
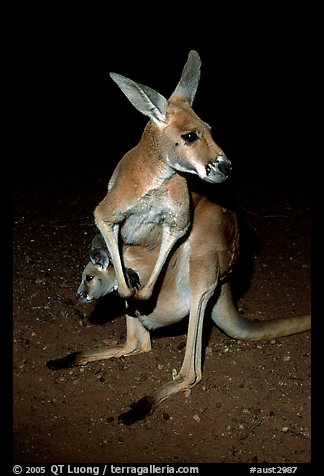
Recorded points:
89,277
190,137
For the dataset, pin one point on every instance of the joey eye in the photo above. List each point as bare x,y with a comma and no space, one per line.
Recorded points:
190,137
89,277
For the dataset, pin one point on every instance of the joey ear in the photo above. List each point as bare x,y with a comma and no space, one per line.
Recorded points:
188,84
99,258
144,99
98,242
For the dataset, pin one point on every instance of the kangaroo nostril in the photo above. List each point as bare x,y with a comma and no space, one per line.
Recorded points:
224,165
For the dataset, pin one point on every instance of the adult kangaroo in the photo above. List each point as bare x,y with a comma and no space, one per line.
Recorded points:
196,274
180,244
148,201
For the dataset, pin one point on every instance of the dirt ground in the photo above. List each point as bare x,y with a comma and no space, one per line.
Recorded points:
254,402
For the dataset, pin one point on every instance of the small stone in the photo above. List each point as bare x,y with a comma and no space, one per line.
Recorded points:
181,346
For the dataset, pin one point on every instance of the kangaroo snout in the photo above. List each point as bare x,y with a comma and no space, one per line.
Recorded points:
224,165
218,170
82,297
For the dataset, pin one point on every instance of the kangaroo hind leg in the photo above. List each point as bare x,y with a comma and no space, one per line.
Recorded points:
137,341
203,282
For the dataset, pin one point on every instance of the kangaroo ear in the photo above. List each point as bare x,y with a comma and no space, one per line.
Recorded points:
98,242
99,258
187,86
144,99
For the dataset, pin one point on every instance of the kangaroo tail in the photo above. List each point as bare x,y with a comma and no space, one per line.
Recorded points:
227,318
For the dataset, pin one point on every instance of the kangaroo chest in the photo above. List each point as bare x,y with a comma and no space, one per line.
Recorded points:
144,222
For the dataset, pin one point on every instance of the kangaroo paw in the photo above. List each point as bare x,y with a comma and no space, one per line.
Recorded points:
65,362
139,411
133,279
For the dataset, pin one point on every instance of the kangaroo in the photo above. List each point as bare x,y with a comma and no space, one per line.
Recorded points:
196,274
148,201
